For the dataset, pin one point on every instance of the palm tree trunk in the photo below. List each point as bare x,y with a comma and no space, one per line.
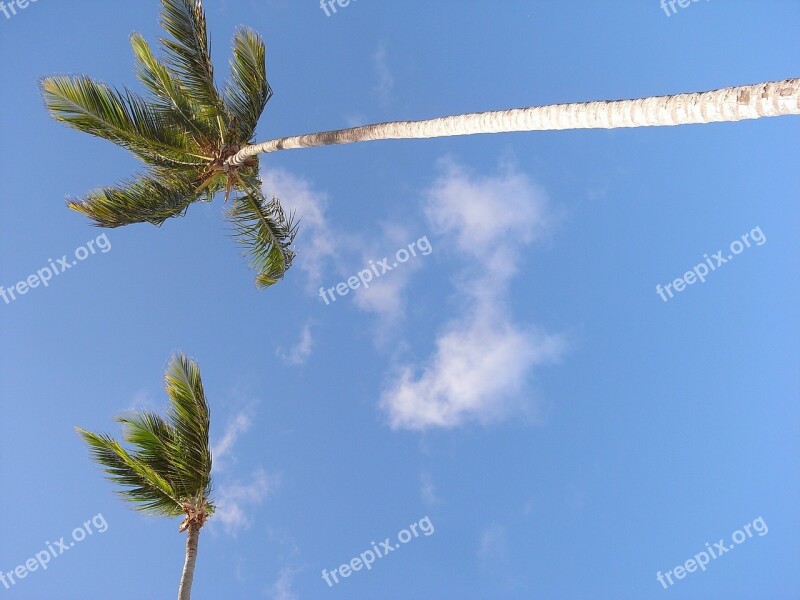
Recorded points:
729,104
185,591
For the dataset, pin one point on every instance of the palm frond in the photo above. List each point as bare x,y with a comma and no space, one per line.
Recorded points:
151,198
123,118
248,91
141,484
153,439
189,55
169,97
265,231
189,416
159,447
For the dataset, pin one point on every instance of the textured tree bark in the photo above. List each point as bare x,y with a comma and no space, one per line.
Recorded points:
185,590
770,99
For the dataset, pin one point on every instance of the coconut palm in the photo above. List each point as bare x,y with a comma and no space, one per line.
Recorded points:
195,140
770,99
183,132
168,470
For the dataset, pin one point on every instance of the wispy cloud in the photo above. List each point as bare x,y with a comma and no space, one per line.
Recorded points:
427,491
492,547
483,359
309,205
326,263
143,400
385,80
281,588
235,500
299,353
385,297
237,426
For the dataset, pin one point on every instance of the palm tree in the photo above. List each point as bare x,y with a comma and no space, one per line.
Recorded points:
168,472
770,99
184,133
195,140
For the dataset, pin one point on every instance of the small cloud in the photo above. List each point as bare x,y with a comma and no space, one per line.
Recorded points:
355,120
299,353
236,500
281,589
385,80
427,492
529,506
143,400
492,547
385,297
221,451
308,205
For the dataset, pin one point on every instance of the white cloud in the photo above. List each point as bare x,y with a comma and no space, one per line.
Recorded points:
385,82
483,360
222,449
299,353
493,546
314,238
281,589
143,401
488,218
480,366
427,491
236,500
385,296
326,263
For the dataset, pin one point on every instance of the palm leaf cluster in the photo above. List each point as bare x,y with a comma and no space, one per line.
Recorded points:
167,471
183,131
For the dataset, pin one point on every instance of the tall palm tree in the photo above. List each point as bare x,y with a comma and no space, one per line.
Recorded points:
195,140
168,471
184,133
770,99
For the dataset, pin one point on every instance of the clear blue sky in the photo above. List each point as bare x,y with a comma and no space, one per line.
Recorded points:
567,432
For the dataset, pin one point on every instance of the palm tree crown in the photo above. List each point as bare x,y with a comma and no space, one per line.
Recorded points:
168,470
184,132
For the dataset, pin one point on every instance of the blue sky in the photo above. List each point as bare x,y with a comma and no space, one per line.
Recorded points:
567,433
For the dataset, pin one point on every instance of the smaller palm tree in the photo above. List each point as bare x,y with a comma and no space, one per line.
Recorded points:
168,471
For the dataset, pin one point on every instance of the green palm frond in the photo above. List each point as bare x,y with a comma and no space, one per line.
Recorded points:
158,445
167,471
153,439
170,98
125,119
141,484
265,231
189,55
151,198
189,416
248,91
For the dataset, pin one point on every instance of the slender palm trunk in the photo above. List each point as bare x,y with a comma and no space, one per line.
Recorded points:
770,99
185,591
